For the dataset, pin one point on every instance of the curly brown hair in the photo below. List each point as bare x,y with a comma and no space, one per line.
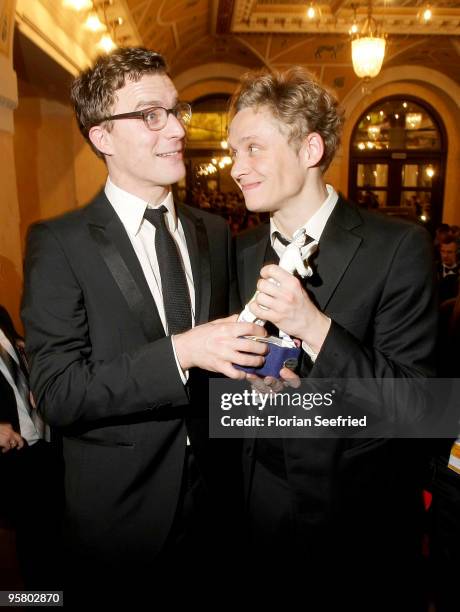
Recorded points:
93,92
298,101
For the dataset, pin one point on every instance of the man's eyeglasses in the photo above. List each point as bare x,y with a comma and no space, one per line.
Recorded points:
156,117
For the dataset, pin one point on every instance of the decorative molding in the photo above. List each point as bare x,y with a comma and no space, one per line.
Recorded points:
290,17
216,70
406,74
242,12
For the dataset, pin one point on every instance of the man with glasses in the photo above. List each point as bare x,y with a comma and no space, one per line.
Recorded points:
116,304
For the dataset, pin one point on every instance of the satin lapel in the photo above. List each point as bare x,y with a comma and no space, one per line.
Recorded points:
250,262
198,249
337,247
117,251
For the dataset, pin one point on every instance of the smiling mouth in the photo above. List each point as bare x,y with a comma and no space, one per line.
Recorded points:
171,154
249,186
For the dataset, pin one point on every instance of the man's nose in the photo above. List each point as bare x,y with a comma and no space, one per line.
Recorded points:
239,168
175,127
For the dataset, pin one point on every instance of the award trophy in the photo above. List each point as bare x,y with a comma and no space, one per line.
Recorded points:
284,351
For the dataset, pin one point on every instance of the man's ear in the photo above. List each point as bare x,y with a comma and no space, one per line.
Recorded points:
100,139
312,150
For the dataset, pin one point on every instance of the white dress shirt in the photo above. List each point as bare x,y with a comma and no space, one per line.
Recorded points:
31,430
141,232
130,209
314,227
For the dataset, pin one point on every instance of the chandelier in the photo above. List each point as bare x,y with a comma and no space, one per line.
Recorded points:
93,10
368,48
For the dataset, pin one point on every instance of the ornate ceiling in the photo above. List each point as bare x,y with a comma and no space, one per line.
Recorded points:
277,33
254,33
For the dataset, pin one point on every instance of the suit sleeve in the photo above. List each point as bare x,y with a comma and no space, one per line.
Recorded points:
401,342
68,385
234,297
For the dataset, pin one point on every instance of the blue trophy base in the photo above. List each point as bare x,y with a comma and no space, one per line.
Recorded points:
277,358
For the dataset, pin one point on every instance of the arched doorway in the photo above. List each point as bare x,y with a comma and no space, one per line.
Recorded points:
397,159
208,183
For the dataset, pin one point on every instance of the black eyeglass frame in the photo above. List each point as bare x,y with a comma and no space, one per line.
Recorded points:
142,114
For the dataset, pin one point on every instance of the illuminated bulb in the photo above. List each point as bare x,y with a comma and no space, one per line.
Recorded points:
311,13
78,5
214,161
94,24
367,54
427,15
106,44
413,121
422,217
224,144
404,104
353,29
430,172
361,146
373,131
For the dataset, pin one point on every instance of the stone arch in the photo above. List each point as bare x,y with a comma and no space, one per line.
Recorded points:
438,91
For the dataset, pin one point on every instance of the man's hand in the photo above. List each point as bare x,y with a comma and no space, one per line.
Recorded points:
9,439
288,306
269,384
217,345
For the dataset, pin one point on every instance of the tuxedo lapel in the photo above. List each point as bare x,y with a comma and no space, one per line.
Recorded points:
117,251
337,247
198,249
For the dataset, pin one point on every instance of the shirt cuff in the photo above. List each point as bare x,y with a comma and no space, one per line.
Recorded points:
310,352
184,374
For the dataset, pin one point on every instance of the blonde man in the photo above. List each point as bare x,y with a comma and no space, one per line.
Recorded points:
333,510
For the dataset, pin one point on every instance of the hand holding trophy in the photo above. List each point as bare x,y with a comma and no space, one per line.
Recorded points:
283,350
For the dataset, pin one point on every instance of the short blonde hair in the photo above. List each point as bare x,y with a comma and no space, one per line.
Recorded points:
298,101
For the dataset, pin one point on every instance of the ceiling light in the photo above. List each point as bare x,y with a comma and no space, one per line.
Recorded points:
368,48
94,24
106,44
425,14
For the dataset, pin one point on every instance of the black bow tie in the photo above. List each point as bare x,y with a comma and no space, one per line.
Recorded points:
285,242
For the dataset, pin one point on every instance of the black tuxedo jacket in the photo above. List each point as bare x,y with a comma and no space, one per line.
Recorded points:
103,372
374,278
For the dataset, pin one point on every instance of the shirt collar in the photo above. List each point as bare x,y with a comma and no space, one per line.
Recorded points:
315,225
131,209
